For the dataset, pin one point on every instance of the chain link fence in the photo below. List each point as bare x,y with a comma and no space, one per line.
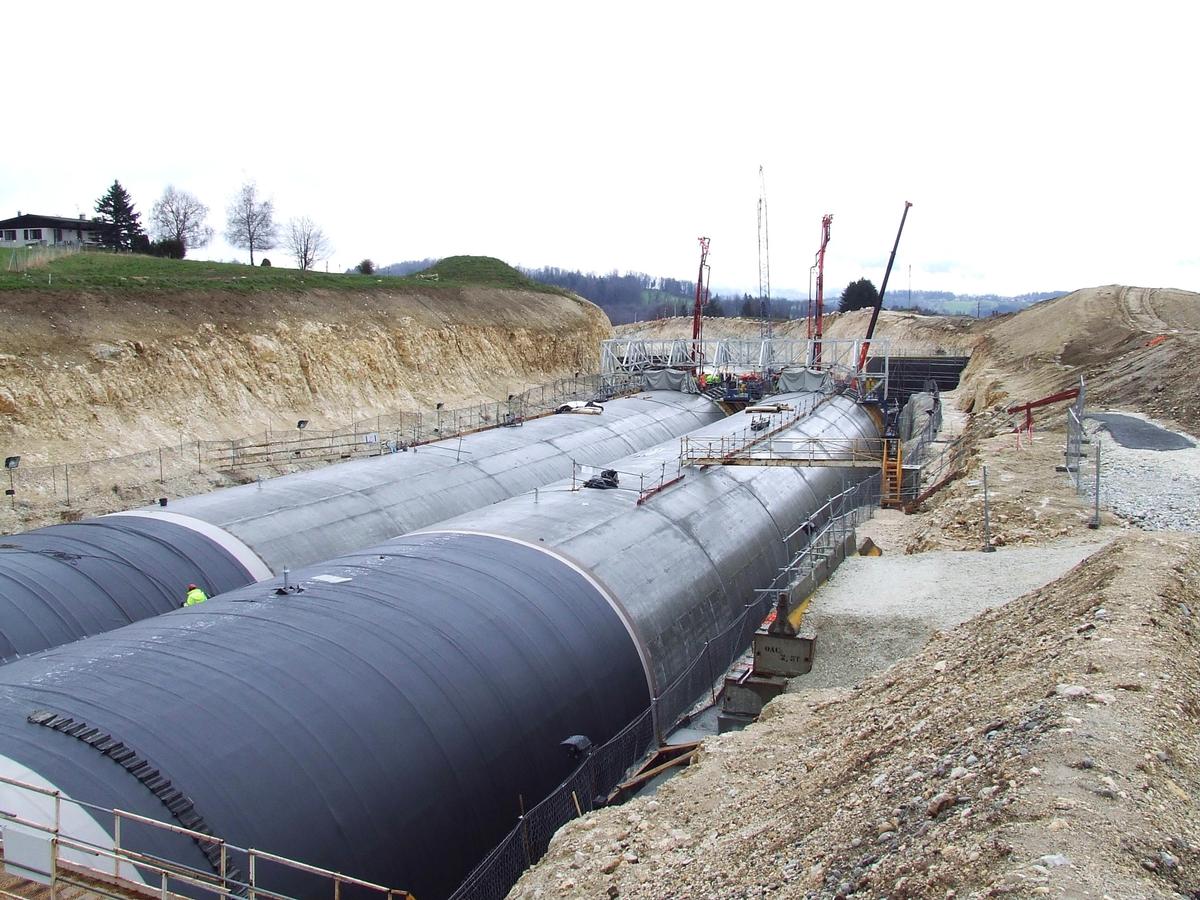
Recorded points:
1074,455
79,488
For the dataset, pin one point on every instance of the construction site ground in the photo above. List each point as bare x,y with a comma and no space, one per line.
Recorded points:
1019,723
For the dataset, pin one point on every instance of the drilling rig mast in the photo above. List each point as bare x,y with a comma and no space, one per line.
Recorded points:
698,309
764,259
816,312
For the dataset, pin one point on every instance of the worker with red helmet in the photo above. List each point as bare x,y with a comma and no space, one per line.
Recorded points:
194,595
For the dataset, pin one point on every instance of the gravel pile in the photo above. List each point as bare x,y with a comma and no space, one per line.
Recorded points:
876,609
1157,490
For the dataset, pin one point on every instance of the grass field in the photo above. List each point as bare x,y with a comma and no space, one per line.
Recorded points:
99,271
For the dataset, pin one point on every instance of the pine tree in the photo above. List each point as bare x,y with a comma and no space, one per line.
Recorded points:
117,209
859,294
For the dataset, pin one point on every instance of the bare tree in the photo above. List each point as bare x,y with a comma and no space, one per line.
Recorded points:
306,242
179,216
251,222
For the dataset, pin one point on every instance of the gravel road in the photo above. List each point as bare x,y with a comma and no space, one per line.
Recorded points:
875,610
1157,490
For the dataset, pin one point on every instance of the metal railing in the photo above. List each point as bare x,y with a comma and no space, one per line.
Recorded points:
120,864
632,354
812,542
812,451
120,482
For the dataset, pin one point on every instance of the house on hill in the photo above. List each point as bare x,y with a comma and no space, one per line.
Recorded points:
28,229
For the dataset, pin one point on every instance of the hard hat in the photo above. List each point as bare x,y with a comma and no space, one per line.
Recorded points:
191,587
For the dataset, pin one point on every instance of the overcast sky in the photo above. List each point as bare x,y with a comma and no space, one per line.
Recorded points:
1044,145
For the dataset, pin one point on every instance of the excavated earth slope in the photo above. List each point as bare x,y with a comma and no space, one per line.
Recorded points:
1047,746
95,374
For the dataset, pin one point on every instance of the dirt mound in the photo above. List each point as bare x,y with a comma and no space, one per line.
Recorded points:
1047,744
1137,347
910,332
93,374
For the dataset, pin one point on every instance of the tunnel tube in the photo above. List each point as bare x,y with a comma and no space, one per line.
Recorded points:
392,718
65,582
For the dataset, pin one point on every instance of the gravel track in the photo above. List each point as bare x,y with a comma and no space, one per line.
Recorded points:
876,610
1157,490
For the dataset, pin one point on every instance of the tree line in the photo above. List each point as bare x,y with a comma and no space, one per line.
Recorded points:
179,223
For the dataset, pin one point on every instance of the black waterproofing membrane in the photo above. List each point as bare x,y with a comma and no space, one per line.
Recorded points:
65,582
388,721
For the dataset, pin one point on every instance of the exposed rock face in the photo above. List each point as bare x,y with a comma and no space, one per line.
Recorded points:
113,374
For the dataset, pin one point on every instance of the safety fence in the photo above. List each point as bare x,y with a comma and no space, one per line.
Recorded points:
391,433
42,850
588,786
122,481
1074,455
35,256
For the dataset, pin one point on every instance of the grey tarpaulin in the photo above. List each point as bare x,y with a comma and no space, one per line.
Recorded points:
680,380
804,380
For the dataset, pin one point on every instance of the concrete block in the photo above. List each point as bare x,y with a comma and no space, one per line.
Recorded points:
747,696
783,654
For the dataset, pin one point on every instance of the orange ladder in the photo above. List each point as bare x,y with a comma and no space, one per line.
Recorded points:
892,478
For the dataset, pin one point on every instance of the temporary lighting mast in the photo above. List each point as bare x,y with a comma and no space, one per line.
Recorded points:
816,313
862,357
764,259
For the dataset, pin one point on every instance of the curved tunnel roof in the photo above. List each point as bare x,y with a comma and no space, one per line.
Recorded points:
298,519
65,582
387,725
390,720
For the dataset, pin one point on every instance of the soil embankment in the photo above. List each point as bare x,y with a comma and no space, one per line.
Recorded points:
1045,746
97,374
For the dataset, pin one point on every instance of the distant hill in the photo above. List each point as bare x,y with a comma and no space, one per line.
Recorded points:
637,296
405,268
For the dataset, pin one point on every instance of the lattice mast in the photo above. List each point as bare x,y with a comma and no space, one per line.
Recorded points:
816,311
764,258
702,278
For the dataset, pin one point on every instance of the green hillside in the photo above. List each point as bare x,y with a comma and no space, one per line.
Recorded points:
42,270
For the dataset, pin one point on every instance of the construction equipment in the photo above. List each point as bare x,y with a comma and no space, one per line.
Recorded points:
862,359
701,300
892,483
764,260
816,314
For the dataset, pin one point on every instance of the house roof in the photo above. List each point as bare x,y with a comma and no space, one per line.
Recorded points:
31,220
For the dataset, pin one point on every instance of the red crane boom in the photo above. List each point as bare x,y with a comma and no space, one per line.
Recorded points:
701,295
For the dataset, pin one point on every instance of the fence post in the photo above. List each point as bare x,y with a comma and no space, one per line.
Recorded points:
67,476
161,480
525,839
987,521
1095,523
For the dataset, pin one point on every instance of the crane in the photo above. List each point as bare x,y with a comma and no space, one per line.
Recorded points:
816,313
764,259
866,346
698,309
